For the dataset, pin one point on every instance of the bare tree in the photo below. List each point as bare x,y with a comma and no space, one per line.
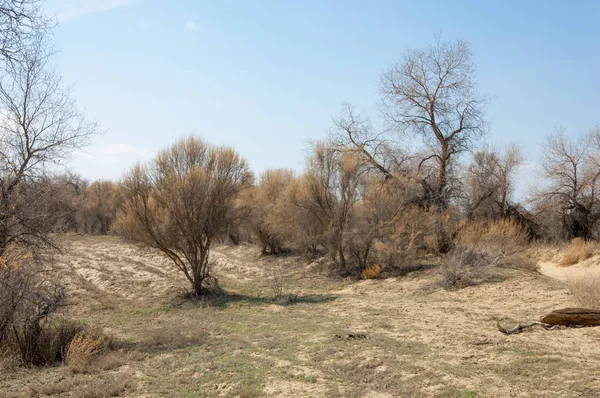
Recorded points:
182,201
432,92
490,182
330,190
40,126
572,174
20,22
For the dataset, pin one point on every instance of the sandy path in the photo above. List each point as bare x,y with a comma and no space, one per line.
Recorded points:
555,271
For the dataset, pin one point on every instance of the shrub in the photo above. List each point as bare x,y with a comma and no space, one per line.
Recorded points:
373,271
28,306
83,347
463,267
577,251
497,238
279,286
182,202
586,289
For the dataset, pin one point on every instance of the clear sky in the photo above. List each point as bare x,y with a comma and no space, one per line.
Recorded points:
266,76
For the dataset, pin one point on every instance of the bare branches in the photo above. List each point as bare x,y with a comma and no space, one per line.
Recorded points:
182,201
490,182
40,126
20,22
353,133
432,92
571,171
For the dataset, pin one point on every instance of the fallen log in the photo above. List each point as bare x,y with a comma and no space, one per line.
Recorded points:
570,317
573,317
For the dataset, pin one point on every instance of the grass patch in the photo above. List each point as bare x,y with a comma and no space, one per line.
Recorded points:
577,251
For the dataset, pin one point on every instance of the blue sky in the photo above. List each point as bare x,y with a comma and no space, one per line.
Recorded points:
266,76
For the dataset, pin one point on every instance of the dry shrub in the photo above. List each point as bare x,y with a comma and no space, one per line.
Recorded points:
586,289
29,303
439,230
521,261
373,271
577,251
83,348
463,267
279,285
497,238
278,281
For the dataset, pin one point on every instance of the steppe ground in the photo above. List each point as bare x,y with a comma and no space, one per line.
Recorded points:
420,342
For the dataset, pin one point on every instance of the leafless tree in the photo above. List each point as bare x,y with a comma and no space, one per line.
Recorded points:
182,201
331,187
432,92
490,182
572,174
40,126
20,22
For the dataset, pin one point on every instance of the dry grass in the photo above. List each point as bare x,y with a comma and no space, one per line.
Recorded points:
586,288
174,336
83,348
437,343
92,387
577,251
497,238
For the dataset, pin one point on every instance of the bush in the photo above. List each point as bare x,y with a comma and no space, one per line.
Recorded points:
28,306
497,238
577,251
586,289
279,286
463,267
373,271
83,347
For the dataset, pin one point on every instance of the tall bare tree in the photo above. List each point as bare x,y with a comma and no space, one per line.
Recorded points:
571,171
40,126
432,92
182,201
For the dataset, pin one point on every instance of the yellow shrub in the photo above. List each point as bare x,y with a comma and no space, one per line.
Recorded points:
586,289
84,346
371,272
577,251
498,238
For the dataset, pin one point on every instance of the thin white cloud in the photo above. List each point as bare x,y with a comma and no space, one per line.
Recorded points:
191,26
70,9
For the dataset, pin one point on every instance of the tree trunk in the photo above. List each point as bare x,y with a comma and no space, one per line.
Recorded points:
443,178
198,285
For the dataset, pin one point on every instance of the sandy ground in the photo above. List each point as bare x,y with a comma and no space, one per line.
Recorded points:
420,341
563,273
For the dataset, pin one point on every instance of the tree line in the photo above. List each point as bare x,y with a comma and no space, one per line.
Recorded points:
365,198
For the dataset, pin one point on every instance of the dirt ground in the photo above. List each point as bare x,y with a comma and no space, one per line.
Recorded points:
394,337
